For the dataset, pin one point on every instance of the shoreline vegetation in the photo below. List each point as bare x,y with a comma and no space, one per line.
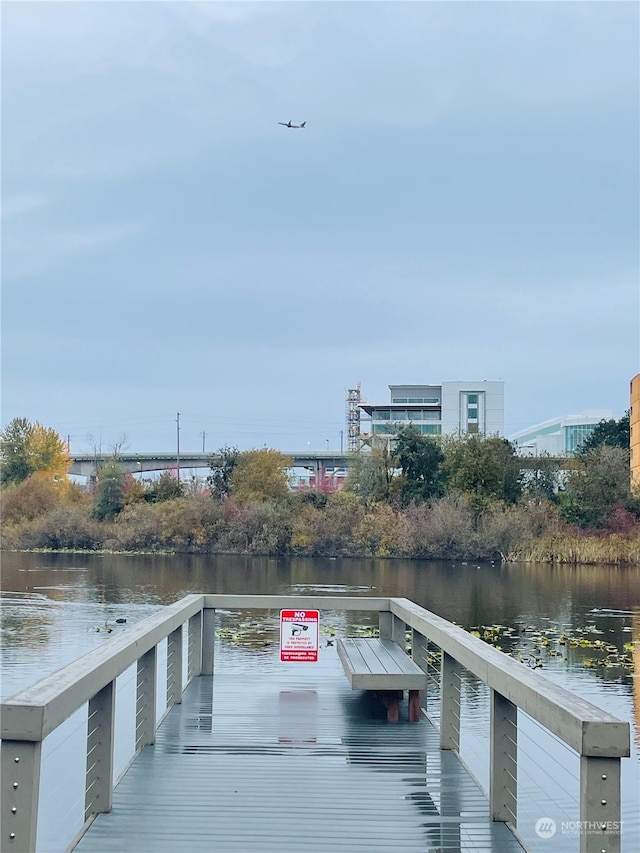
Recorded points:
460,498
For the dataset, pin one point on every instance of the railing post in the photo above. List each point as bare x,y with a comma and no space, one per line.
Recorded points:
208,640
20,774
449,704
398,631
99,774
503,764
194,658
385,623
174,667
146,700
391,627
419,652
600,826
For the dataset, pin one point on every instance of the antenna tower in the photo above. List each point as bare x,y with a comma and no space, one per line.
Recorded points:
353,418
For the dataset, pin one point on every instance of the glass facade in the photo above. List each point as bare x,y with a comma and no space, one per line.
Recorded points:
575,435
416,400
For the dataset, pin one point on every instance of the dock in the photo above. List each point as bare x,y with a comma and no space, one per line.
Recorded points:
305,763
234,750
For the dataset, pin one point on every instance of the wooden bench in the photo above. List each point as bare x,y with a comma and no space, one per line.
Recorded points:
383,667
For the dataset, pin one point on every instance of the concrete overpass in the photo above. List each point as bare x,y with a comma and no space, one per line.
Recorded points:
86,464
316,461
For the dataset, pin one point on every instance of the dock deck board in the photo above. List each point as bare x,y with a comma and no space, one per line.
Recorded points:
270,757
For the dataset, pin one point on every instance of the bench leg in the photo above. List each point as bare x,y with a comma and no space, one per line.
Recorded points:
391,700
414,706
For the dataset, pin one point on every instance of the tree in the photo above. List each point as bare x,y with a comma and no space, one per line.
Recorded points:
260,474
110,496
598,484
27,448
370,474
484,468
14,463
608,432
221,467
166,488
420,459
48,452
543,481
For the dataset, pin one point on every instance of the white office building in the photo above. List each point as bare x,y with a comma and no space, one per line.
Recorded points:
560,436
449,408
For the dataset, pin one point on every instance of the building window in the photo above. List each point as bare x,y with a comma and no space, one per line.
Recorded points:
473,413
399,415
472,399
472,428
382,415
416,400
431,429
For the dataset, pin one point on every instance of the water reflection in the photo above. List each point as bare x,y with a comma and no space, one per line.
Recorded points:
523,596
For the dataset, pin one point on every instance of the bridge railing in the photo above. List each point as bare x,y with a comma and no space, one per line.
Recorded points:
26,718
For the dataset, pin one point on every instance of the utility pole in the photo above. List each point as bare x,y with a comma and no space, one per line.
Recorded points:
178,444
204,435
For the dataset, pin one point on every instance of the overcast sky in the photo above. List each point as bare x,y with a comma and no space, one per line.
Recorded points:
463,204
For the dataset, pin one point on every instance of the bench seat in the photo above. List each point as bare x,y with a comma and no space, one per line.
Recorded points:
383,667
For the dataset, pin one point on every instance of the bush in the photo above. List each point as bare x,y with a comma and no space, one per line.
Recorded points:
379,531
137,528
64,528
256,527
335,526
30,499
445,529
190,524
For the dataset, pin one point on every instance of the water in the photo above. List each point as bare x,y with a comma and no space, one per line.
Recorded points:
56,607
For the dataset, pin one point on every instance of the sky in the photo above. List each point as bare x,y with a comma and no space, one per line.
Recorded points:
463,204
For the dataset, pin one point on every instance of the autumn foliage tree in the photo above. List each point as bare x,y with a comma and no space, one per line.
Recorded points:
27,449
260,474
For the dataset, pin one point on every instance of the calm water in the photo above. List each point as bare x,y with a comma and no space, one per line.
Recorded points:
54,605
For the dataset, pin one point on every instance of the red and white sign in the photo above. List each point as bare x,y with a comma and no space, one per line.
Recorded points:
299,635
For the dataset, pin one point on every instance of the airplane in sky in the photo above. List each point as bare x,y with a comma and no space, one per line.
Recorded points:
288,124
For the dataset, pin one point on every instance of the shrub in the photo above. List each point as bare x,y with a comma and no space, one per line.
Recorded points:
335,526
137,528
64,528
379,531
29,499
189,524
445,529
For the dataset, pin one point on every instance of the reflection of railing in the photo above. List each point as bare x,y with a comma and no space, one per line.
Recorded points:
439,647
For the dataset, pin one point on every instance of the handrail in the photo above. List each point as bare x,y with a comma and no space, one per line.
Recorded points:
583,726
28,716
33,713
